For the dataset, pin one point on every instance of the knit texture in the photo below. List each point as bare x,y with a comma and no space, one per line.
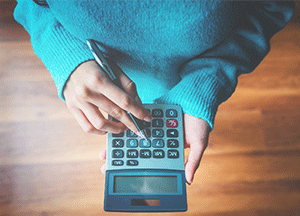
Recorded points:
188,53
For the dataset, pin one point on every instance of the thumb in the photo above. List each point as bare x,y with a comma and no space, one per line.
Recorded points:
194,158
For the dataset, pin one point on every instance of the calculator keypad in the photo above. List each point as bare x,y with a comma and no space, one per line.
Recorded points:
164,150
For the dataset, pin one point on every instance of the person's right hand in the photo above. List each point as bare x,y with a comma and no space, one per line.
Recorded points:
90,89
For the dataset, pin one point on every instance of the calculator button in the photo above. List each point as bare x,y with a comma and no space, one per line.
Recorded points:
118,135
172,123
145,124
131,143
148,133
145,153
172,143
172,133
171,113
144,143
157,113
130,133
157,133
117,153
132,163
158,143
157,123
158,154
118,143
173,154
132,153
117,163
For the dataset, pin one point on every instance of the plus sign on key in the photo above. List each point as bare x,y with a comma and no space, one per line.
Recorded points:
172,123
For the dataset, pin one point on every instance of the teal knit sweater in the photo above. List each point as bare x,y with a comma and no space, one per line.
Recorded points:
181,52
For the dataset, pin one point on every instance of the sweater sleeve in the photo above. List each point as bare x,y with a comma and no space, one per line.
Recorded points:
211,78
55,46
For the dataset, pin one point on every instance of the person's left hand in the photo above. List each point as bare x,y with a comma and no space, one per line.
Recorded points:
196,138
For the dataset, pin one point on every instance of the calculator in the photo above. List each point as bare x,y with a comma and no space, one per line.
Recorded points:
144,176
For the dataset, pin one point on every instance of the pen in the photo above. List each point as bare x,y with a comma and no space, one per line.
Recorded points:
106,68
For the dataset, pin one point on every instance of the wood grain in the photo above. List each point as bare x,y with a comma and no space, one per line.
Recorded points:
49,166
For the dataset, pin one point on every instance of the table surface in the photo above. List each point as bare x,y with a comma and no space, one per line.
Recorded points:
49,166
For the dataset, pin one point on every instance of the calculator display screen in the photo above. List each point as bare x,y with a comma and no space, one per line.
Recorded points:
145,184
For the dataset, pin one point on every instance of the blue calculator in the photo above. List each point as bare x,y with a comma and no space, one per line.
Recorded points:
144,176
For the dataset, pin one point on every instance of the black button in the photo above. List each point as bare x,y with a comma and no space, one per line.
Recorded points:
157,123
118,143
148,132
132,153
158,154
157,113
145,153
145,124
172,143
173,154
171,113
117,153
129,133
132,163
118,135
117,163
172,133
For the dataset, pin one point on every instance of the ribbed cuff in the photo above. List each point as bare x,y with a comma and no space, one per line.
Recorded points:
199,94
62,53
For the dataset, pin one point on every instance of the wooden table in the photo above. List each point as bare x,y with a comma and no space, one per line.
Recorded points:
49,166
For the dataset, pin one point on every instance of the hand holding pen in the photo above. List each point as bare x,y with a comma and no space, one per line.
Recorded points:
89,89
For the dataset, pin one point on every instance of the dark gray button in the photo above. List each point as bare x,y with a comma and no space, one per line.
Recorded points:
172,133
132,163
117,143
145,153
132,153
117,163
173,154
171,113
157,123
172,143
117,153
158,153
157,113
129,133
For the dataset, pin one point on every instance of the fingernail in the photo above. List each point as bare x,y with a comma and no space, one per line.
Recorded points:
148,118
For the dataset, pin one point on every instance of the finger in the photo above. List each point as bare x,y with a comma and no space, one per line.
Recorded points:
193,161
102,154
127,84
98,121
120,97
103,168
84,122
113,110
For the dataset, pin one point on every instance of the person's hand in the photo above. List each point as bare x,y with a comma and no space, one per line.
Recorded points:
90,89
196,138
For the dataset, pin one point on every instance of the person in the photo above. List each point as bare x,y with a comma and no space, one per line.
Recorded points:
188,53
